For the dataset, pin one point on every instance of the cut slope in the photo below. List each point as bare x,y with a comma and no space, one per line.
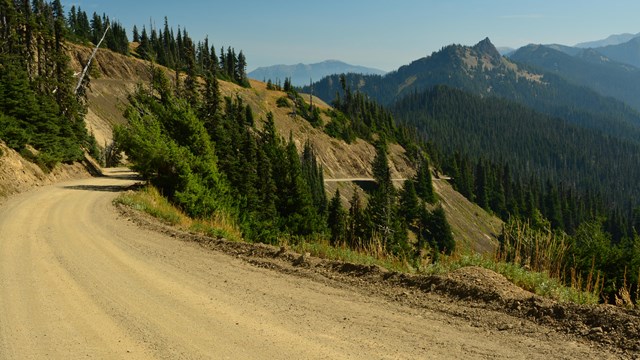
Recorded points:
18,175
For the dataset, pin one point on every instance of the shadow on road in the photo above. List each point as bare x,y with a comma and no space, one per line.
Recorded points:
105,188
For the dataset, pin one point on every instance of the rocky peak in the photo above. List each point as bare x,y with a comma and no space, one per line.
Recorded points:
486,47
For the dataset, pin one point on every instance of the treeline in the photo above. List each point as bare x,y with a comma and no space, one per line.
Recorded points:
82,30
356,116
40,115
176,50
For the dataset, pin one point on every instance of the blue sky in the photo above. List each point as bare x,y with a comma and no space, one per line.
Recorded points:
384,34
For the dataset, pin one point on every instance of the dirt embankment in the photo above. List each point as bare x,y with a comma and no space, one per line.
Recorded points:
19,175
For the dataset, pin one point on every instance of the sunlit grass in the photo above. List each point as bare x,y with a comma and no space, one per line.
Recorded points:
150,201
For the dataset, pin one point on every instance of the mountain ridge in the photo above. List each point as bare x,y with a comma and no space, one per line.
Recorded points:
481,70
614,39
588,68
300,73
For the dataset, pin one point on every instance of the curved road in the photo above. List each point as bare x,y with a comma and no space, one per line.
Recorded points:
79,281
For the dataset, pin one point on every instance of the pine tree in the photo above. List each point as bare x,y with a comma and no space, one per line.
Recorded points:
313,175
481,191
337,219
136,34
382,202
298,213
409,204
358,233
440,231
423,182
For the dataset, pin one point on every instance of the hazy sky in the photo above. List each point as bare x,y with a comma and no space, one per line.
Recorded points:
384,34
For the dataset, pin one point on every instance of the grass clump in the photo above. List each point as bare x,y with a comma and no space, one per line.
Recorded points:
537,282
149,200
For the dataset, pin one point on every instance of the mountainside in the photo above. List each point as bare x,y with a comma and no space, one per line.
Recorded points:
588,68
116,75
610,40
301,74
531,143
627,53
483,71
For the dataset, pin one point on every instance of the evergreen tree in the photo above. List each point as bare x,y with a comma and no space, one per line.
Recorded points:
440,231
423,182
409,204
136,34
337,219
358,234
298,213
313,175
382,202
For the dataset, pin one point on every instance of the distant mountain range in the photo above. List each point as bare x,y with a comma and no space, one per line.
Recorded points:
611,40
505,50
301,74
614,48
483,71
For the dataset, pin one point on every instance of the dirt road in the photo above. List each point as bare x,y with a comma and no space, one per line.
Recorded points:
77,280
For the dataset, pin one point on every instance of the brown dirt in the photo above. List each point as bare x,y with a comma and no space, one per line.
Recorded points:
19,175
80,279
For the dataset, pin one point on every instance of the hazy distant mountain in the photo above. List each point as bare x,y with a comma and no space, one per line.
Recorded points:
301,74
627,53
611,40
569,50
587,67
483,71
505,50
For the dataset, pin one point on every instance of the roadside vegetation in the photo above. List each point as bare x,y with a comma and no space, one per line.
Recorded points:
539,281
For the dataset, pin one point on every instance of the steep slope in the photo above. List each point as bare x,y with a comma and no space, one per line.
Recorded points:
588,68
117,74
532,143
301,74
19,175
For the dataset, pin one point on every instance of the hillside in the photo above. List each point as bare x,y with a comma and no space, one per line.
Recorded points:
116,75
587,68
627,52
301,74
18,175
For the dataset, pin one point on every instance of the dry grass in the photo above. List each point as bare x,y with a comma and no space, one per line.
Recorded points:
543,251
150,201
